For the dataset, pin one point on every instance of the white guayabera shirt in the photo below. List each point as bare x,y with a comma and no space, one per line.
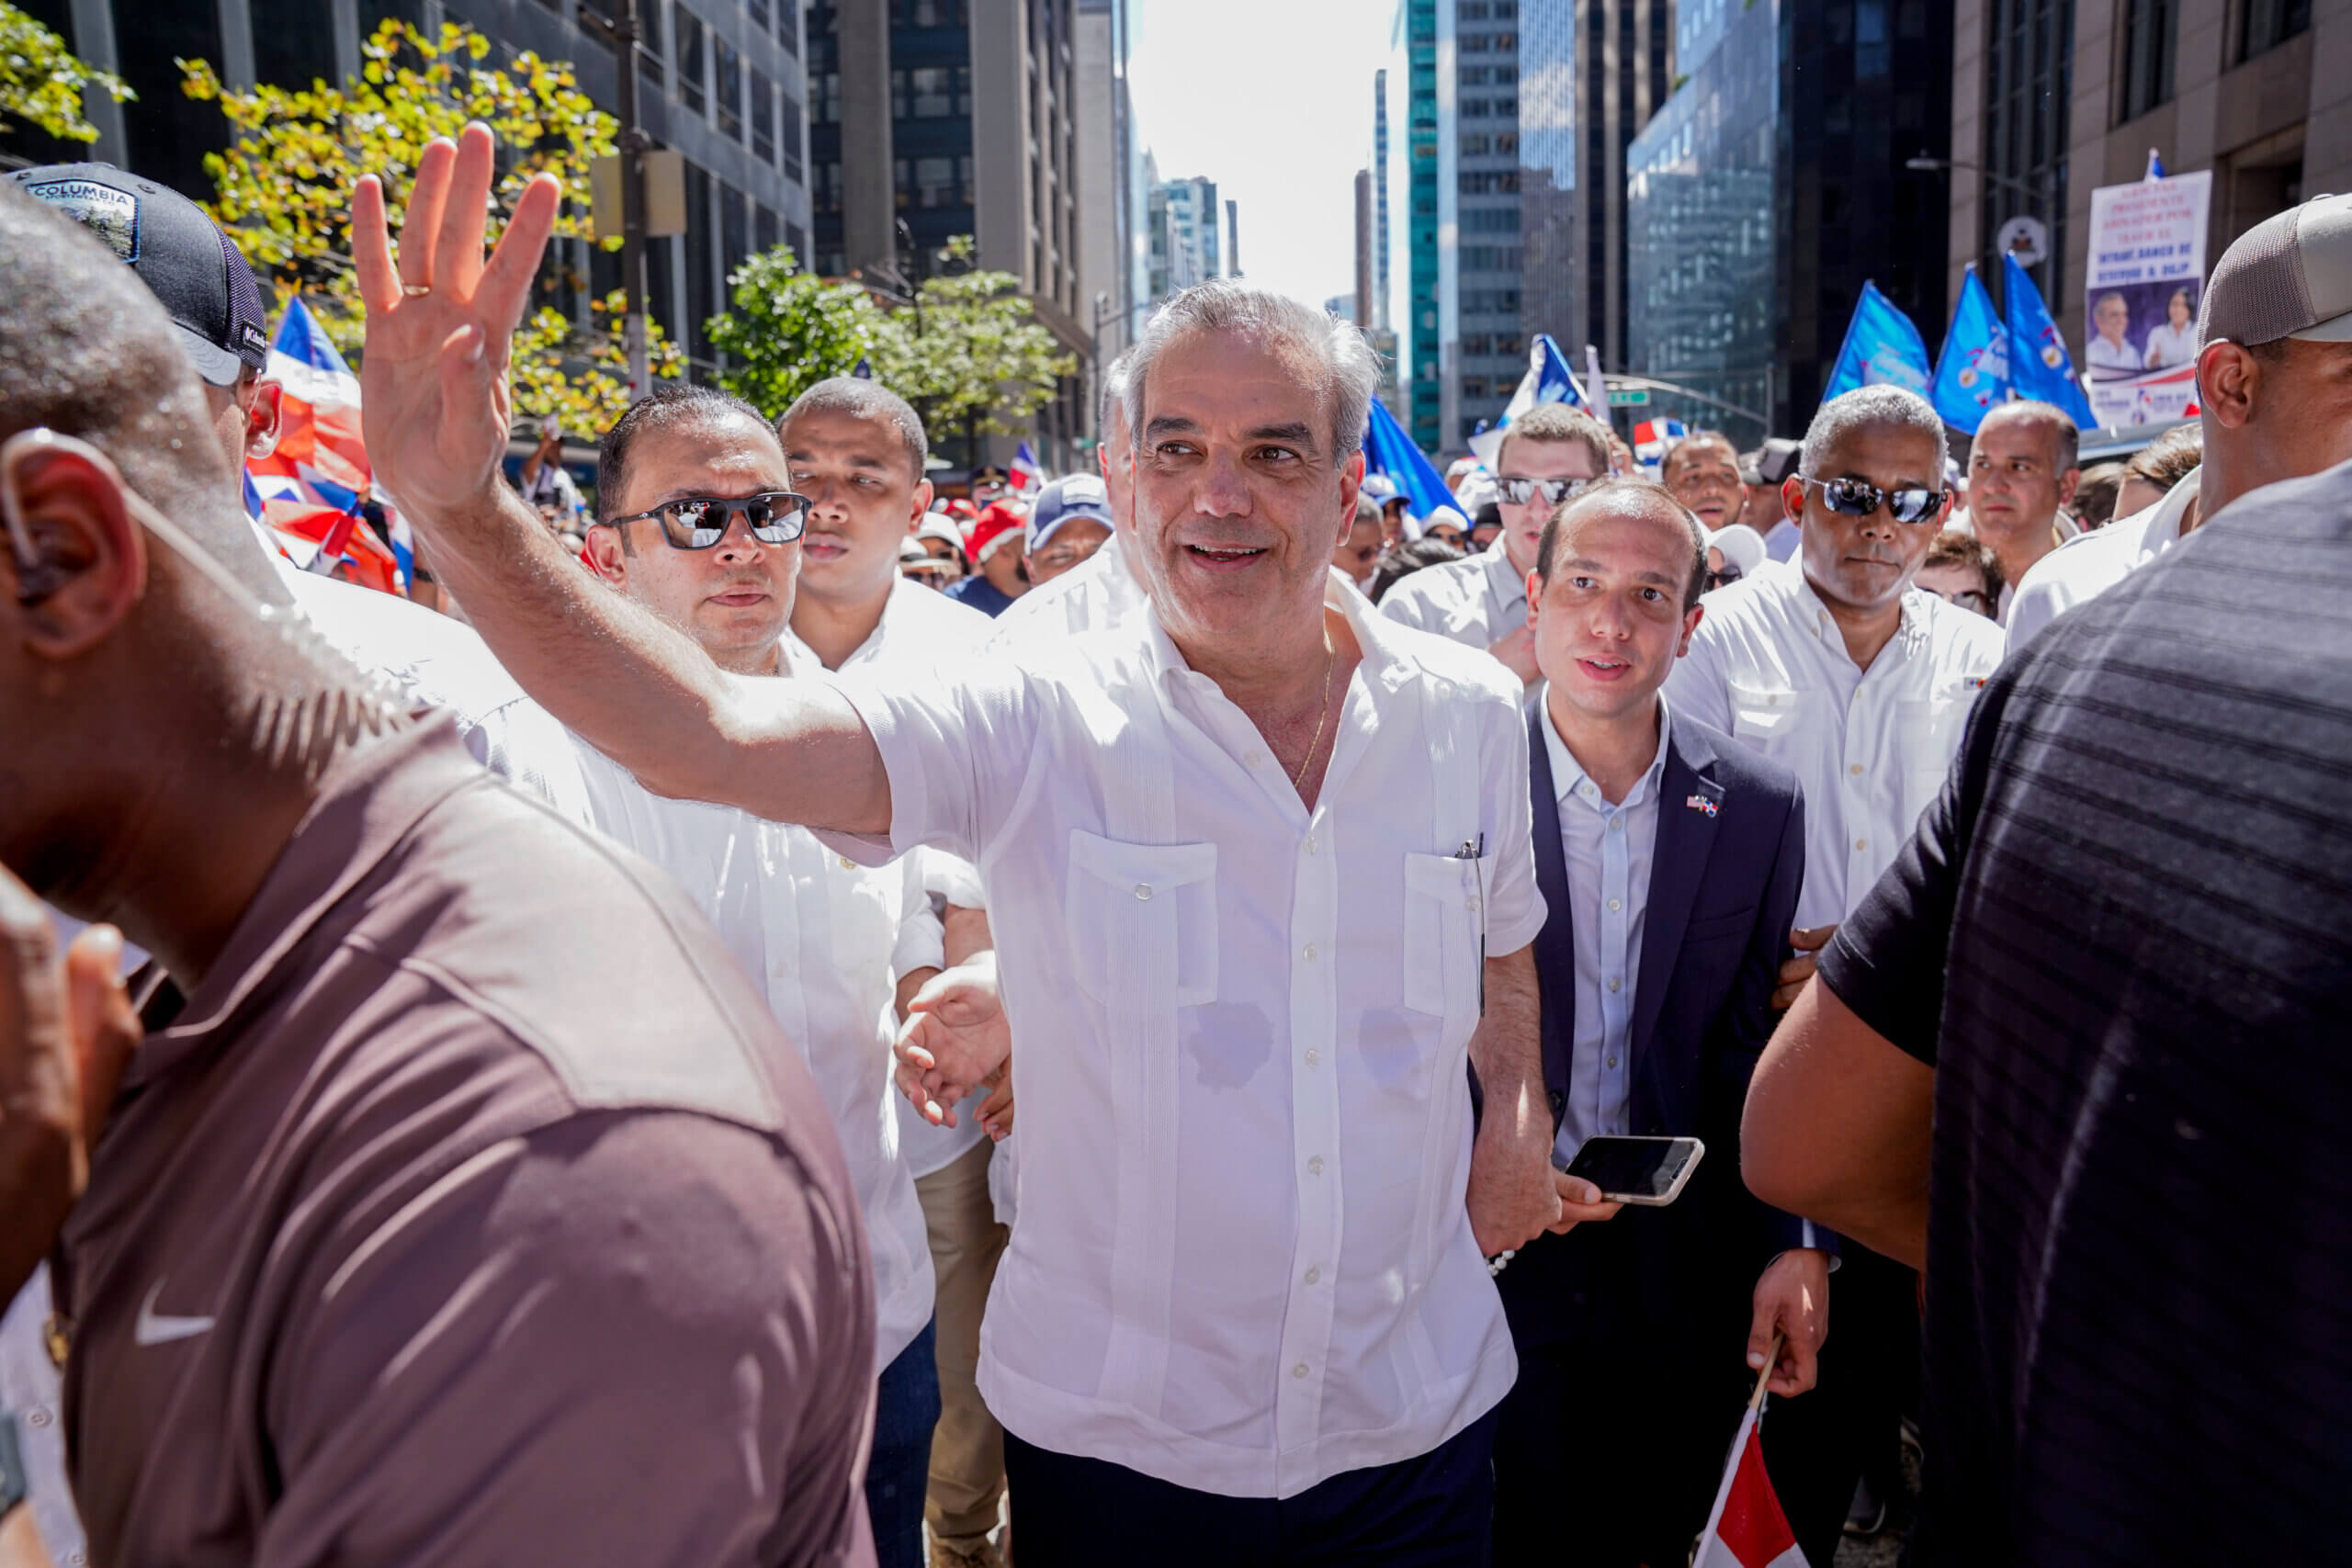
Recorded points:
1769,666
1243,1263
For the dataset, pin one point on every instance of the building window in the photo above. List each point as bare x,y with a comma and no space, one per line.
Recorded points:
757,10
1490,220
649,46
936,183
2269,23
1473,386
787,24
1476,109
2147,56
763,229
1476,145
762,111
688,28
1478,343
701,266
791,138
729,86
930,93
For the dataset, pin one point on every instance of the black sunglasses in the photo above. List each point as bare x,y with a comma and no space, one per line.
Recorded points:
1856,498
1519,492
1719,579
698,522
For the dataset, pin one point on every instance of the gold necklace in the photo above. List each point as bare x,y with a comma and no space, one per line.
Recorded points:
1331,658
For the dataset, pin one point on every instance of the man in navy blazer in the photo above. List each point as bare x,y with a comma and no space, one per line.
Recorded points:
1670,859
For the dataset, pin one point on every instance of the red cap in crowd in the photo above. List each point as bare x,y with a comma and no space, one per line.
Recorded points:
997,522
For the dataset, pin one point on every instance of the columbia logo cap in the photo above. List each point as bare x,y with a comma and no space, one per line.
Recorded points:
2287,276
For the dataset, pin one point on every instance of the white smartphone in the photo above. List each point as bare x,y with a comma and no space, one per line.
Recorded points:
1650,1172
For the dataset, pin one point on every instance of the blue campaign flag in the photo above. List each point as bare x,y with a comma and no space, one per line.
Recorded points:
1548,380
2039,365
1882,344
1388,450
1972,376
862,369
2156,166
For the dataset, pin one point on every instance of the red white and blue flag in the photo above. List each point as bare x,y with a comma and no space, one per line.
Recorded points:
1026,475
1747,1529
1652,437
308,492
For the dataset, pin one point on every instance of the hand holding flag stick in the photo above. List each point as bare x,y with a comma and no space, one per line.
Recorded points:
1747,1529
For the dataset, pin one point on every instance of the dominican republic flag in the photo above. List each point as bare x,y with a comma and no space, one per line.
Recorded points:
1025,474
1548,380
312,486
1747,1529
1652,437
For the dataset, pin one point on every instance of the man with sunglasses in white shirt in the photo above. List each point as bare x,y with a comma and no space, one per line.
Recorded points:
1549,454
1835,665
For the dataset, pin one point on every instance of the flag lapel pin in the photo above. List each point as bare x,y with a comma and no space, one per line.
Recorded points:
1703,803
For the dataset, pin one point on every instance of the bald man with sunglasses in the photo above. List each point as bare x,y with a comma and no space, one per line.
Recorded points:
1835,665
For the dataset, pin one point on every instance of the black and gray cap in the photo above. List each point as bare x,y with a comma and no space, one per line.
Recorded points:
2287,276
185,258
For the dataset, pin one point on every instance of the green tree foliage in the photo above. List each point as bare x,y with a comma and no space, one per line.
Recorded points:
970,353
285,189
785,330
41,82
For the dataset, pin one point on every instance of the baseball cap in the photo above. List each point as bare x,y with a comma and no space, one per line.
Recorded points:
998,522
1448,515
1742,545
1067,500
939,526
183,257
1380,487
2287,276
1478,488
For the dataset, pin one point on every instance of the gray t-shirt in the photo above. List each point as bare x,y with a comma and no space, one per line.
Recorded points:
473,1210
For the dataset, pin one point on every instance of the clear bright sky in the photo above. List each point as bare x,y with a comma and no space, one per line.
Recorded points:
1272,100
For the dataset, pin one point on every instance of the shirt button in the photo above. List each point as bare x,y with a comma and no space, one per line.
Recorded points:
1314,1057
1613,982
1307,953
847,863
1615,825
1315,1166
1473,902
1256,759
1299,1370
1856,769
1861,843
1313,1275
1310,843
1143,891
39,1416
1614,906
1613,1061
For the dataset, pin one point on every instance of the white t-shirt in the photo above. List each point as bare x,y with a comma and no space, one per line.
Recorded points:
2085,567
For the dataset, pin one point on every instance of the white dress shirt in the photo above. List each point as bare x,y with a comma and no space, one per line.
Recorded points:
1478,600
1780,543
2121,357
2088,565
1243,1264
1609,850
826,940
1098,594
31,1394
925,634
1769,666
2168,346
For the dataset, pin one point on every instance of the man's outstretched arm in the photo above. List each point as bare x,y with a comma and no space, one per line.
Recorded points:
436,409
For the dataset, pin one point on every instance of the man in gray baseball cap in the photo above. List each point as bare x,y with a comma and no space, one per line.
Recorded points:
2274,389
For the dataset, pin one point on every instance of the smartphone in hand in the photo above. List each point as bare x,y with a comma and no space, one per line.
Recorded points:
1650,1172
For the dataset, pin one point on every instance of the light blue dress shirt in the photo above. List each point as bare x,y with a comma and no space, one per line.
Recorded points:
1609,850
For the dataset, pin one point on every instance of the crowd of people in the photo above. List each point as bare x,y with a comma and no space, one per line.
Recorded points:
540,1081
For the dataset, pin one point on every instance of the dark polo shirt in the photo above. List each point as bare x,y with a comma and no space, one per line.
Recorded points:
472,1211
2124,938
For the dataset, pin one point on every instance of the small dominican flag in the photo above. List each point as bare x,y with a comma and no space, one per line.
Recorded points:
1652,437
1025,474
1702,803
2156,166
312,486
1747,1529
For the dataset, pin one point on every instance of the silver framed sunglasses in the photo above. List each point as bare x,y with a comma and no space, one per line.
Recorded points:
699,522
1859,498
1519,492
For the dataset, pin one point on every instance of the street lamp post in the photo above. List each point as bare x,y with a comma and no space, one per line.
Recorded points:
2042,202
621,30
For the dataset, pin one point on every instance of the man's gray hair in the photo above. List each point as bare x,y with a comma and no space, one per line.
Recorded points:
1349,371
1113,393
861,398
1869,408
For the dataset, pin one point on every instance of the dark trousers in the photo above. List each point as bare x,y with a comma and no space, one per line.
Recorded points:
1430,1512
897,1466
1850,1424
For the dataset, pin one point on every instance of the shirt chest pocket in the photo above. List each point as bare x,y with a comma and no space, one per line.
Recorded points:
1928,729
1444,913
1772,719
1142,921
